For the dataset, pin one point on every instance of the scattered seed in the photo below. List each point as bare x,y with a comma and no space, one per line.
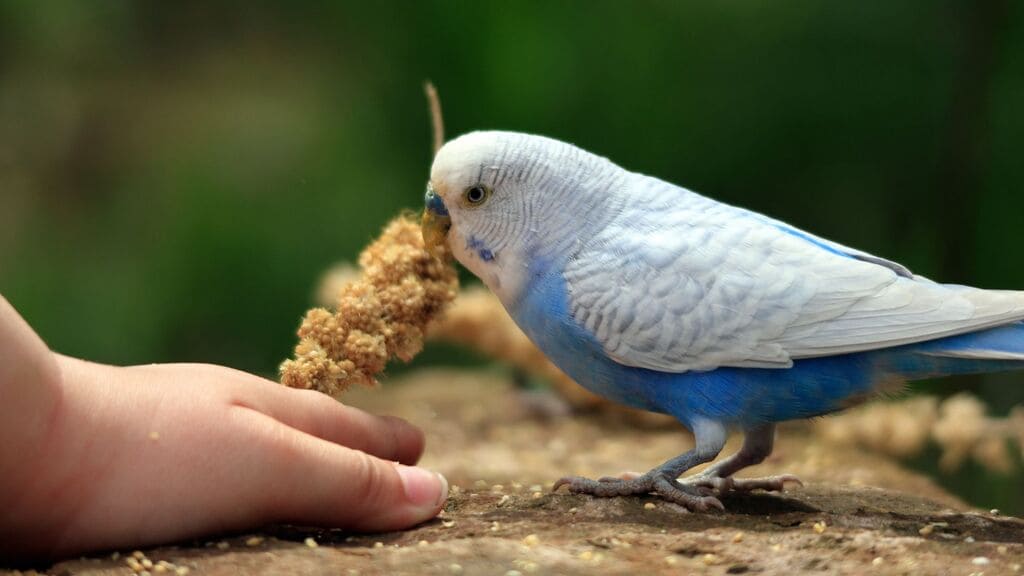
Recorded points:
649,506
586,555
738,537
709,559
1003,550
776,547
820,527
994,511
969,539
537,494
423,543
378,544
497,488
980,561
154,435
310,543
504,500
536,488
513,573
573,510
455,568
223,545
182,571
926,530
447,523
531,540
671,560
878,561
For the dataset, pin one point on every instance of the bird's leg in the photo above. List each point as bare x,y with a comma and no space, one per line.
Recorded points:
710,437
757,445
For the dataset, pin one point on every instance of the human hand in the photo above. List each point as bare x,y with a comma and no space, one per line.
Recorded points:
151,454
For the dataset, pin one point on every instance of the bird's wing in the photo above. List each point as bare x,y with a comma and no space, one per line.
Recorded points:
680,282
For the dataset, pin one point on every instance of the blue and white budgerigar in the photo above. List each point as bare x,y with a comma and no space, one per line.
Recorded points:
665,300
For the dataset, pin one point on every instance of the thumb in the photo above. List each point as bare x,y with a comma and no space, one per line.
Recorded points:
332,485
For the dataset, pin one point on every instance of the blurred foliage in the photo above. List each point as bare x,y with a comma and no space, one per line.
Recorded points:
174,176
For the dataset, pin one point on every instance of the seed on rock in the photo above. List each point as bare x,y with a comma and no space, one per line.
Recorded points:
649,506
310,543
820,527
926,530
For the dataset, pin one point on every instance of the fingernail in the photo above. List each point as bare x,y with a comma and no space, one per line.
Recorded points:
423,488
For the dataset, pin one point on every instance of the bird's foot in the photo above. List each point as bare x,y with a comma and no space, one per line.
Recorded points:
710,484
690,497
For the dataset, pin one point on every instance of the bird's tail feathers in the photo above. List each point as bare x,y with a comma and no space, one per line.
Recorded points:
1004,343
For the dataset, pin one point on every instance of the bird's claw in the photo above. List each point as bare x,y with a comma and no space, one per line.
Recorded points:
697,493
721,485
608,487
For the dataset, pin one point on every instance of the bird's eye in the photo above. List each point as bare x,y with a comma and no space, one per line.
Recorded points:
475,195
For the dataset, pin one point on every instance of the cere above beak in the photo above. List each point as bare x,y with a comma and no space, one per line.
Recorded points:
436,221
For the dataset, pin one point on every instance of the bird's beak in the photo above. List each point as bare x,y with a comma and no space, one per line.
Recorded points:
436,222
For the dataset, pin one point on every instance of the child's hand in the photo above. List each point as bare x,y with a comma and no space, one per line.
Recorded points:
106,457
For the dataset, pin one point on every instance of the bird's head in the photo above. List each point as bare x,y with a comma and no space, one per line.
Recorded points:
498,197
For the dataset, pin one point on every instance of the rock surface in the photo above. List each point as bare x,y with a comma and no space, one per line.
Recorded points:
857,514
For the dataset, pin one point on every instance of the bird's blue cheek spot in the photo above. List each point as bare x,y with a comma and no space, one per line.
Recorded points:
474,243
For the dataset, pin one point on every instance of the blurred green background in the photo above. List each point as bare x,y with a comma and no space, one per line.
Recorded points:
175,176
